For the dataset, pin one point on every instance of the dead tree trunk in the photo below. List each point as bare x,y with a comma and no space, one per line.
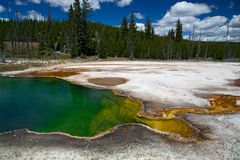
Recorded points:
192,41
199,45
206,52
226,52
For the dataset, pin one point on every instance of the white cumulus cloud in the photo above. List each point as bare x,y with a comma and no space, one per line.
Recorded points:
140,26
189,9
212,22
187,12
33,15
211,28
235,22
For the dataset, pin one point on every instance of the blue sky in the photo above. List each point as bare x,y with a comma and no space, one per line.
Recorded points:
201,13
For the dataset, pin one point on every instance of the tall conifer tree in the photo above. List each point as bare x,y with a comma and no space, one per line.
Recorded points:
84,26
77,28
149,31
71,35
124,27
132,36
179,36
49,32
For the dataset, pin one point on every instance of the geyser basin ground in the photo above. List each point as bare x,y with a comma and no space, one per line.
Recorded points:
167,85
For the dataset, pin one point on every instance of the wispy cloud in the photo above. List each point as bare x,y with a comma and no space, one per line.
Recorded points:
95,4
139,15
20,3
231,5
2,9
123,3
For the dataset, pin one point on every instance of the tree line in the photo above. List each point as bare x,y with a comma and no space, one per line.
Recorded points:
77,37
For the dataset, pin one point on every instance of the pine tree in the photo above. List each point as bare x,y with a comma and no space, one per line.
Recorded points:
71,38
124,27
78,19
84,23
149,31
77,28
49,33
170,44
153,32
103,44
123,37
3,34
179,36
171,34
132,36
70,13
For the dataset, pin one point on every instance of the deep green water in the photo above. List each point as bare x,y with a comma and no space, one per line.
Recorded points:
52,105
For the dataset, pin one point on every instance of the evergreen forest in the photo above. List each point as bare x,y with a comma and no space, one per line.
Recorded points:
78,37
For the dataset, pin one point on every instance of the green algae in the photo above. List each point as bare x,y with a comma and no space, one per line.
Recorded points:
175,126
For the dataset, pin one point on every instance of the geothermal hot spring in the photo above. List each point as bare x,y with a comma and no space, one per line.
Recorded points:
49,105
52,105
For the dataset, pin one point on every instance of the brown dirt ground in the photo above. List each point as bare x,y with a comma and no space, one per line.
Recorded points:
53,73
17,67
107,81
236,83
48,74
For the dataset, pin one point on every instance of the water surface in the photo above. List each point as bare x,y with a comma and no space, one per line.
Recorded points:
52,105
